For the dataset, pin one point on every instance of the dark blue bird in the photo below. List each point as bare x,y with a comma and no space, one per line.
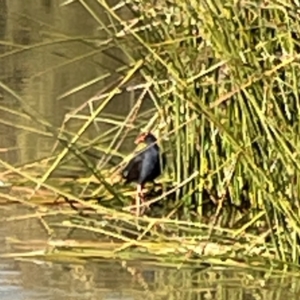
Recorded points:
145,167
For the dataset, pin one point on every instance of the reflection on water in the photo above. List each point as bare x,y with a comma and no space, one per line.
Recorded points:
115,280
45,280
52,63
53,285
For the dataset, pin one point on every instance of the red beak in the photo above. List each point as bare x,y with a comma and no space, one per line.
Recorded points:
140,139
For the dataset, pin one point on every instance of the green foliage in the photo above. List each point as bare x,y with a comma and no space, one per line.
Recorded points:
223,78
231,98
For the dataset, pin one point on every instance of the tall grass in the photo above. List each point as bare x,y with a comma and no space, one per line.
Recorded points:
231,98
236,89
223,78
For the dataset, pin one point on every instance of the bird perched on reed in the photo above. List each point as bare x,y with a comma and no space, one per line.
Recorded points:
145,167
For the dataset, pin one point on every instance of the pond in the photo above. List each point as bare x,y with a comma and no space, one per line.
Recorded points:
35,279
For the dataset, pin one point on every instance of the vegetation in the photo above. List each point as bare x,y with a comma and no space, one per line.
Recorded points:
222,76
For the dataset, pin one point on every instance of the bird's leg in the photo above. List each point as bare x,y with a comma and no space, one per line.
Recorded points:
139,200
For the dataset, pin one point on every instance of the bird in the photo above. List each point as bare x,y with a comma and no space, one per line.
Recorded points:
145,167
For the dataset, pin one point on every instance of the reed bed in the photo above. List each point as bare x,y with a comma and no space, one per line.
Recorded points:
222,77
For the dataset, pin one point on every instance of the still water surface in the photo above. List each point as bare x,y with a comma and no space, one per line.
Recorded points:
40,75
115,280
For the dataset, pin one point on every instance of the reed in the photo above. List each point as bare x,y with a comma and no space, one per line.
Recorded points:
222,77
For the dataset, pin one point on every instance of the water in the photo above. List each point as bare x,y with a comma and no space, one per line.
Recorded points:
40,76
114,280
